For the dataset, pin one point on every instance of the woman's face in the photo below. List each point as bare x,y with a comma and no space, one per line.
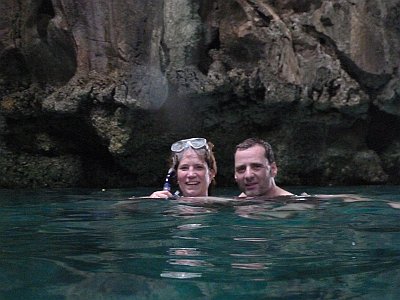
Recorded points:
193,174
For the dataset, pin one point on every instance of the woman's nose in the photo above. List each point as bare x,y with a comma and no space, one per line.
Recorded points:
191,172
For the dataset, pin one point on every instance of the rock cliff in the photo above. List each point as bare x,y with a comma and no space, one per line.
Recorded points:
94,92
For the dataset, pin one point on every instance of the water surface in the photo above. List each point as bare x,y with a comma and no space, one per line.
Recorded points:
93,244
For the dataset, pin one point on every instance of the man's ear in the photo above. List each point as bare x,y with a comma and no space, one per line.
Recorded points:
274,169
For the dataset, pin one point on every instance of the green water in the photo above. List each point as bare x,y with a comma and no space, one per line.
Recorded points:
92,244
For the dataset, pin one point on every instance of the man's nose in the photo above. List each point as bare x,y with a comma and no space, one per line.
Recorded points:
248,172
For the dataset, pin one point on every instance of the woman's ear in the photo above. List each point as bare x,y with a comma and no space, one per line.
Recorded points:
212,174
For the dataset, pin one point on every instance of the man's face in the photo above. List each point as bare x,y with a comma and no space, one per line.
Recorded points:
253,173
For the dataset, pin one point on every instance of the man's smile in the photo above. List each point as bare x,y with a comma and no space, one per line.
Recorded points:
251,185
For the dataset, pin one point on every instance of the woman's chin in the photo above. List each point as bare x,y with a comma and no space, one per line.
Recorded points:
193,193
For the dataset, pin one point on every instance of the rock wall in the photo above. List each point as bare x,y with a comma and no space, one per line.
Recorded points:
94,92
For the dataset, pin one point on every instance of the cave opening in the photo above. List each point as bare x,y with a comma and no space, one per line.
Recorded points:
383,129
68,136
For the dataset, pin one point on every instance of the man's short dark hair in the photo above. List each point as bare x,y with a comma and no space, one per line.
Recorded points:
250,142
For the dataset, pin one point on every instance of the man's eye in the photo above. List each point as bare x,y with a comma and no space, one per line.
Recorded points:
183,168
257,167
240,170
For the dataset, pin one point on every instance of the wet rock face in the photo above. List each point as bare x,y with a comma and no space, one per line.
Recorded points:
101,89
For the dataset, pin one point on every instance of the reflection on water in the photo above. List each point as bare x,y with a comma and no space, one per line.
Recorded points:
85,244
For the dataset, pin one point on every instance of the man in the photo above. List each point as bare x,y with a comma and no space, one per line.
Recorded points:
255,169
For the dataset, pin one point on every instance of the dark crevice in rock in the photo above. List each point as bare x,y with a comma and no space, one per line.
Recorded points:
298,6
384,139
44,15
370,83
13,67
67,135
164,53
212,42
383,129
98,165
51,59
245,51
72,137
211,35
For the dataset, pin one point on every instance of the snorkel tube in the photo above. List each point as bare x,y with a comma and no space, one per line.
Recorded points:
167,185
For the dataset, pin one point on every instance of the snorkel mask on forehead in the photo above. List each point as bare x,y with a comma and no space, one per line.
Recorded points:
195,143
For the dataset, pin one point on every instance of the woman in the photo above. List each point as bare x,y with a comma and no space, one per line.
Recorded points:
195,167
